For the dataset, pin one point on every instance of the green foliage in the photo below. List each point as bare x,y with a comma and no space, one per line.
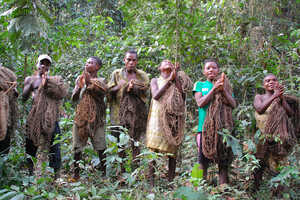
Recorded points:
186,193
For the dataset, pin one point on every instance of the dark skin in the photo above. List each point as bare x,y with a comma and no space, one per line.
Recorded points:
167,71
130,61
273,90
90,72
211,71
32,83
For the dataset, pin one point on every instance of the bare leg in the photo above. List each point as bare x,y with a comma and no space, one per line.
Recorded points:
5,144
172,168
223,174
135,153
203,161
258,174
151,172
31,150
122,154
102,157
77,158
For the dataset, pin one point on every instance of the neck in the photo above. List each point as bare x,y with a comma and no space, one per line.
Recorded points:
210,80
165,75
132,71
93,75
269,92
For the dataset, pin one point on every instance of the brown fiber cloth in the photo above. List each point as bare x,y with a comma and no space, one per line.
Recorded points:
8,102
133,110
91,110
45,110
172,116
218,117
279,124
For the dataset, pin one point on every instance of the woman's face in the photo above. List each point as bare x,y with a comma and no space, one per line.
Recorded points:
166,67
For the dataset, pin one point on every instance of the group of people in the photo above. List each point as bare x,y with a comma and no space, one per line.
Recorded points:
162,122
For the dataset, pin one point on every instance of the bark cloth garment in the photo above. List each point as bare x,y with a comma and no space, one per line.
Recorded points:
115,99
218,117
8,103
91,111
45,110
275,122
166,119
133,110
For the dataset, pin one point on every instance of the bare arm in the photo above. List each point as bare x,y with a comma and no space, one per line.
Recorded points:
262,102
157,93
204,100
261,105
28,88
116,88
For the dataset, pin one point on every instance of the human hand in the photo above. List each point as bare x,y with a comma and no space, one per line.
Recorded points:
278,90
130,85
44,78
81,81
87,78
172,75
219,85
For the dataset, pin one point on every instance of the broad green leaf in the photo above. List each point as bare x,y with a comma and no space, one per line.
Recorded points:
196,172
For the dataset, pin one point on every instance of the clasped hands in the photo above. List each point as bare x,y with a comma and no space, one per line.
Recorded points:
278,90
219,85
85,79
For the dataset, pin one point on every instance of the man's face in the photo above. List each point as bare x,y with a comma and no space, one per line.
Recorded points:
130,61
44,66
211,70
269,82
91,65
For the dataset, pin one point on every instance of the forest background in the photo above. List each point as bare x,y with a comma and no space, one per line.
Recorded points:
250,38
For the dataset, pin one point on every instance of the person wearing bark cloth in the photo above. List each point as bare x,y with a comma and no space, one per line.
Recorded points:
275,115
8,108
42,122
215,102
166,119
89,119
128,89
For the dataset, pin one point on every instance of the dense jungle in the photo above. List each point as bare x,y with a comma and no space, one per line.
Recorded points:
249,38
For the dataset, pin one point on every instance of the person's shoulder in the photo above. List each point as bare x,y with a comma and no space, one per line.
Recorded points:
199,83
141,72
259,96
117,71
197,86
31,78
153,80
